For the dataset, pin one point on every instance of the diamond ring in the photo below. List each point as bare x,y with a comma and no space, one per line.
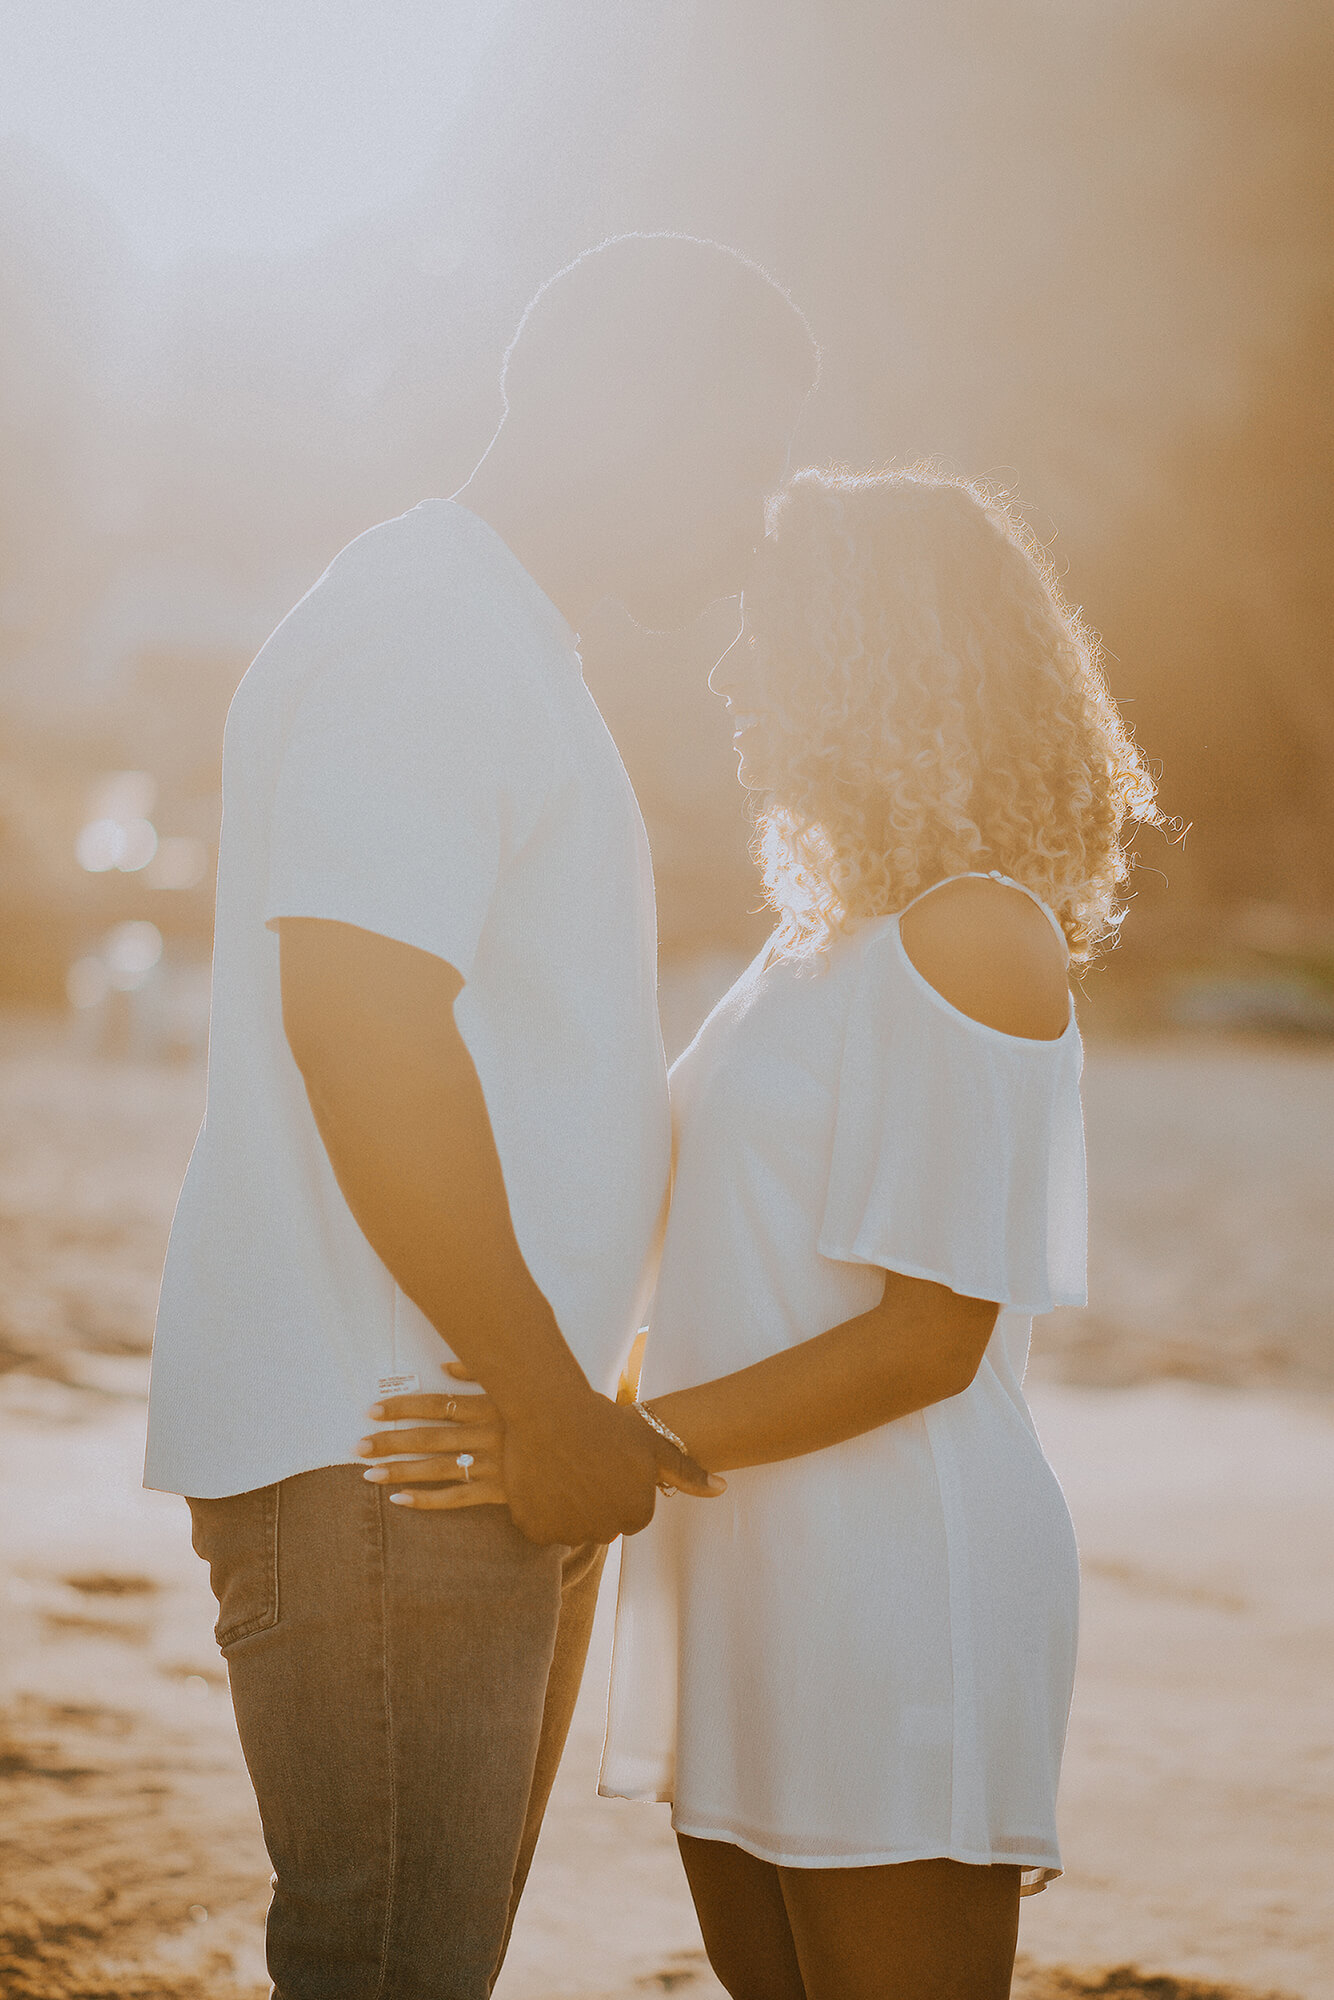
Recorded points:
465,1462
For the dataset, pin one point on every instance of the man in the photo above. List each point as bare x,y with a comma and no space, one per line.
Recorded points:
437,1122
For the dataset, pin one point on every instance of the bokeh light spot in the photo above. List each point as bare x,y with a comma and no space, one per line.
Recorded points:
130,952
138,845
100,846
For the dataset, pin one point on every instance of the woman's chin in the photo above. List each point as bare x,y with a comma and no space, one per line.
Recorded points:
746,771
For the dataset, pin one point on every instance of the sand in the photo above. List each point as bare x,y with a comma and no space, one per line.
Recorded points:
1196,1808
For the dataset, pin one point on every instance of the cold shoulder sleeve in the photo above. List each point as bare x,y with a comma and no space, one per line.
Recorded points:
958,1151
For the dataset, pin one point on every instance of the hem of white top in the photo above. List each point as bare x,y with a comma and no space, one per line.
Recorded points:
164,1472
167,1478
1044,1871
1040,1865
858,1254
397,927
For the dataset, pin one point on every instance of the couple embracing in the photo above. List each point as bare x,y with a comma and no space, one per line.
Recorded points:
428,1208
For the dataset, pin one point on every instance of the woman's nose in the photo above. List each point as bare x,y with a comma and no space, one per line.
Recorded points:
722,676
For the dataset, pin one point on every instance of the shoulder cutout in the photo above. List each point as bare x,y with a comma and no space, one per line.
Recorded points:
990,952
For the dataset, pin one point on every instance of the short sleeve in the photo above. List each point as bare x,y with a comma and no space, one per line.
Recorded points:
958,1151
399,795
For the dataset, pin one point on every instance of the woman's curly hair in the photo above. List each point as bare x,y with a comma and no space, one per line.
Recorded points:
932,706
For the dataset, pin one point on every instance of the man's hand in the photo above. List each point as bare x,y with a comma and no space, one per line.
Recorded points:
588,1478
594,1474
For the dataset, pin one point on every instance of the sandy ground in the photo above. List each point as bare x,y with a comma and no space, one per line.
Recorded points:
1188,1415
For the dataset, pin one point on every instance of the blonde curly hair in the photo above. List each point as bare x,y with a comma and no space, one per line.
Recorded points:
931,706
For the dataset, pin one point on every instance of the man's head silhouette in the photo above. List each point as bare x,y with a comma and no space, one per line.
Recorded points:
651,390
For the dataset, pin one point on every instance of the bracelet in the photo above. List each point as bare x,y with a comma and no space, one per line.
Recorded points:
663,1431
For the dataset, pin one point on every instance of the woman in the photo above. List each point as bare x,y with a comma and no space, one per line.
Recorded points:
851,1673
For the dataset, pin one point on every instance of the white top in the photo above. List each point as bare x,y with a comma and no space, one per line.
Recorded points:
414,752
864,1655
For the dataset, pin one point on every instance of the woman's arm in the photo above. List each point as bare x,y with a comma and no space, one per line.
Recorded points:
921,1344
989,951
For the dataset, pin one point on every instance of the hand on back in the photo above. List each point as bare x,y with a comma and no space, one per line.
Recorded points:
586,1478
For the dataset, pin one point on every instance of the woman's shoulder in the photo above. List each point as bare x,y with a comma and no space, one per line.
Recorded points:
992,953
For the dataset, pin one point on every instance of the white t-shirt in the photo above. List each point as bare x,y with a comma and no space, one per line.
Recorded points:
414,752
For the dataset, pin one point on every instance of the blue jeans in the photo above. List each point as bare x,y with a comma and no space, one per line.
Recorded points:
403,1683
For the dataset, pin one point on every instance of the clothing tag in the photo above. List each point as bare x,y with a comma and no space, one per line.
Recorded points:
397,1385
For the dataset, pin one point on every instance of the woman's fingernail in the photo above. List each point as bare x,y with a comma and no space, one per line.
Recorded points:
376,1410
376,1472
401,1499
717,1485
366,1447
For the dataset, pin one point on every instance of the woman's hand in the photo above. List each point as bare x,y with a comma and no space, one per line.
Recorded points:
452,1458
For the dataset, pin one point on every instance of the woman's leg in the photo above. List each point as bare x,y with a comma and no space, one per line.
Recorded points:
924,1930
739,1903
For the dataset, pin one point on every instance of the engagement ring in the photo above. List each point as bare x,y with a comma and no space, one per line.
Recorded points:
464,1462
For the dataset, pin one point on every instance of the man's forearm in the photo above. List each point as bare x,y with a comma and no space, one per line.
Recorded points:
920,1345
403,1118
400,1110
416,1161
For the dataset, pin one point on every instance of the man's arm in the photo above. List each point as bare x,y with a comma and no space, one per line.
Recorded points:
404,1122
921,1344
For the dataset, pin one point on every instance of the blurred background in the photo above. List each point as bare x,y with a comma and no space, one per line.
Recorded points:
258,263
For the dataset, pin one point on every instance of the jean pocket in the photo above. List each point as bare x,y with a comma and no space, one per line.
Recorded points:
238,1539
